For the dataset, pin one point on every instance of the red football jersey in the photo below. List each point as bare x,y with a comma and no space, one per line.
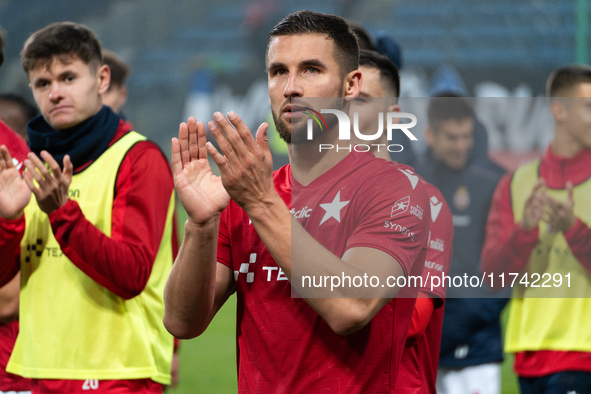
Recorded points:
418,370
8,332
17,147
283,345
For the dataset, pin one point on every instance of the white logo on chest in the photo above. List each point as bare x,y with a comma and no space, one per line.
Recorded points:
333,209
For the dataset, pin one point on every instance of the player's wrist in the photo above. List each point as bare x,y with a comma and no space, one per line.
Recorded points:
13,216
269,207
200,225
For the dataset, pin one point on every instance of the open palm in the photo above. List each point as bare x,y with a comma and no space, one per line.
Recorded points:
14,192
200,191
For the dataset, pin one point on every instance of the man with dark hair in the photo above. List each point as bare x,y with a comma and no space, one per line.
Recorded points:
252,231
539,225
9,293
364,38
418,369
94,246
116,95
471,346
385,82
17,112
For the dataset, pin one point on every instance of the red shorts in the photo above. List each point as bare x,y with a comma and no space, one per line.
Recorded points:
94,386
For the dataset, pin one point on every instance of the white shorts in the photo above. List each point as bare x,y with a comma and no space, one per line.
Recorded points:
477,379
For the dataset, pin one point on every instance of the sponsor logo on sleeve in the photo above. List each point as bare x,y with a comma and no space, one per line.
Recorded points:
417,211
437,244
401,229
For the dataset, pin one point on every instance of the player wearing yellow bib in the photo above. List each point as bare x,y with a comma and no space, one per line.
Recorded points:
539,225
94,246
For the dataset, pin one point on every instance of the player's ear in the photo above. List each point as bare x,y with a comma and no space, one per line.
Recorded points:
394,108
104,78
352,84
558,110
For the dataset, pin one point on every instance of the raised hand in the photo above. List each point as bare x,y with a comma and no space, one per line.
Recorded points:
54,183
246,166
534,208
560,215
14,193
201,192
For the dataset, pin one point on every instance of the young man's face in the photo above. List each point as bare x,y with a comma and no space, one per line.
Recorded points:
578,115
367,105
303,65
13,115
68,93
452,142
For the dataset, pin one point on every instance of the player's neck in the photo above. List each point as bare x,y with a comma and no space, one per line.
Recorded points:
564,145
308,162
380,148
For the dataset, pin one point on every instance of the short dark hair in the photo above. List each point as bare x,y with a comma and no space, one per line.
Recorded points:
62,39
566,78
1,50
28,109
448,107
364,38
335,27
119,69
388,71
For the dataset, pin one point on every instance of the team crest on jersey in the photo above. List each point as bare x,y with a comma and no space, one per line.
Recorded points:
461,198
400,206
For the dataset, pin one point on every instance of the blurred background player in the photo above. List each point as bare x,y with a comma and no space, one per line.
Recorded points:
386,46
116,95
418,369
9,293
16,112
539,225
97,235
471,348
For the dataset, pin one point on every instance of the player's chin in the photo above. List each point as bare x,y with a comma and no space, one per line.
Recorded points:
62,122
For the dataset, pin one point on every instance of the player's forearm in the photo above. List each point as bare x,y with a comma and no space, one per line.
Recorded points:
121,265
9,300
578,238
509,254
294,249
189,294
507,245
11,234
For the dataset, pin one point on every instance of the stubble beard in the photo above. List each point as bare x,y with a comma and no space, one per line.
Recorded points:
296,132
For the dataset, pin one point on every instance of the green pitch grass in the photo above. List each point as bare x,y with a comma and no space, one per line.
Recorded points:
208,363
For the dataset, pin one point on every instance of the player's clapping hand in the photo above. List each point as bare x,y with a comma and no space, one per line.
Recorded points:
52,192
534,208
201,192
14,193
246,165
559,214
